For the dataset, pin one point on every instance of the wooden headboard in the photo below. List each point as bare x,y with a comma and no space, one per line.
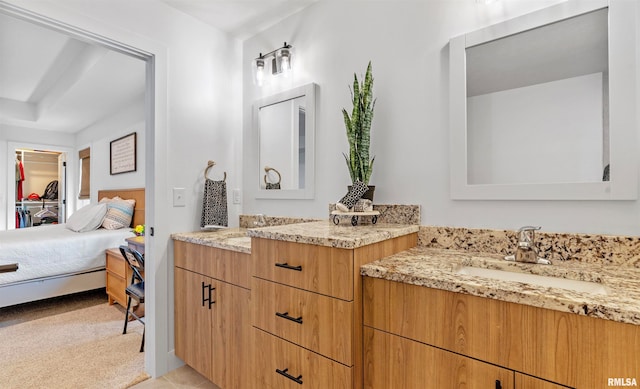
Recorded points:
135,194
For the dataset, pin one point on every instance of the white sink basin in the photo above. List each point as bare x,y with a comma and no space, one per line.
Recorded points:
534,279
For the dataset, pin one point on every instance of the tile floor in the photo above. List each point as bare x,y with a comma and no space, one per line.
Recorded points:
183,378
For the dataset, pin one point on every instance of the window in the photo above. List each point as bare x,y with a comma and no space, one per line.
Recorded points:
85,173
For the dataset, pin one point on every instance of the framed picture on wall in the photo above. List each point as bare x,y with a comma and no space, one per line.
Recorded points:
122,157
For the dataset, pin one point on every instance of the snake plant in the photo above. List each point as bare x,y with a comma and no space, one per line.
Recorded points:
358,126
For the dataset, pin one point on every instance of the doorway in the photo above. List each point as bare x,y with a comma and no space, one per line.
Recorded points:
154,57
40,187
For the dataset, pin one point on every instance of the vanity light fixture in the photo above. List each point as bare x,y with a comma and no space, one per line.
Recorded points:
259,70
278,61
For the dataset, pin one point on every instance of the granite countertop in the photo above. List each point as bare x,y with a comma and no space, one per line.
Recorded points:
437,268
325,233
234,239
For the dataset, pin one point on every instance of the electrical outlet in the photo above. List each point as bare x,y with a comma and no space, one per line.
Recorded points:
237,197
179,197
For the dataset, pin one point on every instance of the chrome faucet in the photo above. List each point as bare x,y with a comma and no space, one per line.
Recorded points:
527,250
261,222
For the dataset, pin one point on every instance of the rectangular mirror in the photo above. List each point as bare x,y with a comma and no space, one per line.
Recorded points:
284,134
540,106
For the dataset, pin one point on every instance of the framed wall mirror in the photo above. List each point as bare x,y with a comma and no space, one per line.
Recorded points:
283,133
542,106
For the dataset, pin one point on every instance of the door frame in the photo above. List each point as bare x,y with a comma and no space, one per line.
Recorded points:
159,359
12,147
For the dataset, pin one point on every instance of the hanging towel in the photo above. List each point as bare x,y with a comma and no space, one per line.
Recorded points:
214,204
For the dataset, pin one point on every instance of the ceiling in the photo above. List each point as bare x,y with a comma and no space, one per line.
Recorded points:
240,18
50,81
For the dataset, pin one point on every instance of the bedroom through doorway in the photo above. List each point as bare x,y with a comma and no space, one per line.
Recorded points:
114,113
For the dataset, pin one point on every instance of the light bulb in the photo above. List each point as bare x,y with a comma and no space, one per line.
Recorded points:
259,71
285,61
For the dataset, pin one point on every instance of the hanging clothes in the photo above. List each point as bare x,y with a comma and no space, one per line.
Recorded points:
19,179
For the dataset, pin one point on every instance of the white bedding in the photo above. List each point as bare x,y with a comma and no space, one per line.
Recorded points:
54,250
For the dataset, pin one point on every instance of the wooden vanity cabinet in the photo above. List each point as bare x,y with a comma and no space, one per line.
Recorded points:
395,362
193,318
212,313
528,382
307,312
544,348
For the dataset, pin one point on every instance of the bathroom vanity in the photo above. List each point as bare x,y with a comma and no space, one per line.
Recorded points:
302,290
365,307
307,300
426,321
211,291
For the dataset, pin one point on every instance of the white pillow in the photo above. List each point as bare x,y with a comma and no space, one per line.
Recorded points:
87,218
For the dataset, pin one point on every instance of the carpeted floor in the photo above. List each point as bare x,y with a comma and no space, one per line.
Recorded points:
78,344
38,309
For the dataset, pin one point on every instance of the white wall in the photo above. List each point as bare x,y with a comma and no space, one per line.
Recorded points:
408,44
99,136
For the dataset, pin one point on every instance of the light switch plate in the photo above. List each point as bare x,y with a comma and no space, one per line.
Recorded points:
237,197
179,197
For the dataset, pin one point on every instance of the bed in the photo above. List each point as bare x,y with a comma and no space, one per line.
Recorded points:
54,261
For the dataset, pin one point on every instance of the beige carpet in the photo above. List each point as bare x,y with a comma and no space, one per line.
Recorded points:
80,349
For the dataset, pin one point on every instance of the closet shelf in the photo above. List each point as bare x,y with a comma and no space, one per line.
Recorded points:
37,202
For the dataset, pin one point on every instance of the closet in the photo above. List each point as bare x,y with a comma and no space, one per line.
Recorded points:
35,171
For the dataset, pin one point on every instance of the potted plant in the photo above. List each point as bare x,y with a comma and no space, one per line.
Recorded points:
358,126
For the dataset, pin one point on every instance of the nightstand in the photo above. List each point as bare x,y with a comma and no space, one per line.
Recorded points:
118,277
119,273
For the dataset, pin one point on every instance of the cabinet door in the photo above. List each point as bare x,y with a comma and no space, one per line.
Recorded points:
230,336
395,362
193,319
528,382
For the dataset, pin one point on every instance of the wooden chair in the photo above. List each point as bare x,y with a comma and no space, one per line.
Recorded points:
135,290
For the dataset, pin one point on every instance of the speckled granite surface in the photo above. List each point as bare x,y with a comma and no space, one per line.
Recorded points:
234,239
249,221
325,233
602,249
437,268
392,214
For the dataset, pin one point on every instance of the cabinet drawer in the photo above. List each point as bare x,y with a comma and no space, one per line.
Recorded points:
115,263
283,365
115,288
319,269
528,382
395,362
226,265
316,322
